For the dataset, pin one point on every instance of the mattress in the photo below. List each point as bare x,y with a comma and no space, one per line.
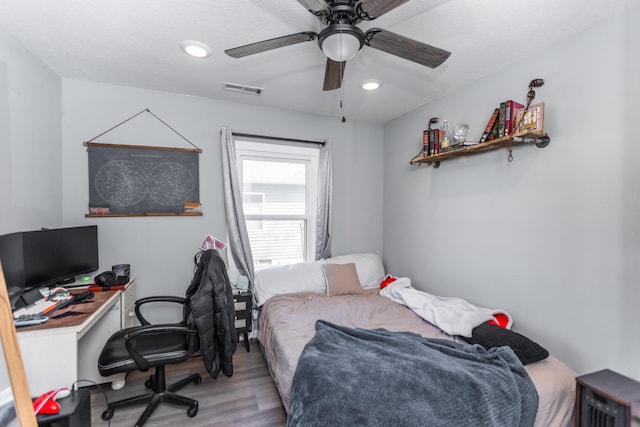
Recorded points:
287,323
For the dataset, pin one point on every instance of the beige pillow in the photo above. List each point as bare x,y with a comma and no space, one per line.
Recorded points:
342,279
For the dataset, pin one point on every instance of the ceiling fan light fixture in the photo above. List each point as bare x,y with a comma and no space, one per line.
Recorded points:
195,48
341,42
340,46
371,84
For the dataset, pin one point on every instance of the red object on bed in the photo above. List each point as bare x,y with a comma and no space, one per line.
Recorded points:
387,280
499,319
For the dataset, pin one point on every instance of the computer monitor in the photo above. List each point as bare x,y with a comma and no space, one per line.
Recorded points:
48,257
12,263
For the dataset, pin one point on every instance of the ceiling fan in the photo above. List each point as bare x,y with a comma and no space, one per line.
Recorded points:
341,39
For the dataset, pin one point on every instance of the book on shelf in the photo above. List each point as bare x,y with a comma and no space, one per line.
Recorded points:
425,143
501,119
511,109
192,207
453,147
494,132
431,142
98,208
491,125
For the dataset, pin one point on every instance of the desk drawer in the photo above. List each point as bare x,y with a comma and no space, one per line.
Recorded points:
241,323
242,305
243,314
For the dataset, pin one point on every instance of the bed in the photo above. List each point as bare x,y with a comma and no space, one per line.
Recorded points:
294,298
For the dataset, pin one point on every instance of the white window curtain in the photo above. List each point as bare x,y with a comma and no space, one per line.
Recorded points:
234,213
236,225
324,205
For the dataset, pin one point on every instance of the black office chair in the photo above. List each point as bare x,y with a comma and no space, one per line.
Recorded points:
146,346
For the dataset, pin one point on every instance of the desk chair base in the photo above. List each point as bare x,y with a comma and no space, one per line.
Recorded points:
161,393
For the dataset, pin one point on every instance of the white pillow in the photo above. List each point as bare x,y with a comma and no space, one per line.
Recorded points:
288,279
368,266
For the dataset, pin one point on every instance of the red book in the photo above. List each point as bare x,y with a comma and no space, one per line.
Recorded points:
490,125
510,116
425,142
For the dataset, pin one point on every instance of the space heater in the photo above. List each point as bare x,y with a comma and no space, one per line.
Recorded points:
607,399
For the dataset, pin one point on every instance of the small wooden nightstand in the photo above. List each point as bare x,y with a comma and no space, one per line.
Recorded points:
606,398
242,304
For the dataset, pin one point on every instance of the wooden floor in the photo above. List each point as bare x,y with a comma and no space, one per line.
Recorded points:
248,398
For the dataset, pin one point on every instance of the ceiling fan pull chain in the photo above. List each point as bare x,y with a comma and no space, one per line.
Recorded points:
510,157
342,91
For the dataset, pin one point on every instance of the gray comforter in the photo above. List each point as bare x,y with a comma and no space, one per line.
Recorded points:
361,377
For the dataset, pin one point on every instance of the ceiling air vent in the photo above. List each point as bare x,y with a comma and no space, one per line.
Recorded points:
237,87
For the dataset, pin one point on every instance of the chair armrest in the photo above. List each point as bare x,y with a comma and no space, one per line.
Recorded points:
141,360
142,301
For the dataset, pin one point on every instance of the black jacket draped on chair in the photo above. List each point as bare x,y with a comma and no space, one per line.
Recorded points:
212,311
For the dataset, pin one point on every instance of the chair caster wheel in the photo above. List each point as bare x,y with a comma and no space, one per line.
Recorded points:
197,380
117,385
108,414
192,411
149,383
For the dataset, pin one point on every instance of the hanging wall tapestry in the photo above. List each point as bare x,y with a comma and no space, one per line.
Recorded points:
134,180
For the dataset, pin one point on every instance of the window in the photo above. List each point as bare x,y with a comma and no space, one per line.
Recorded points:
253,204
279,186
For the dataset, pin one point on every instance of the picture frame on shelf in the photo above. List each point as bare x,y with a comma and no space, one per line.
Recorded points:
530,119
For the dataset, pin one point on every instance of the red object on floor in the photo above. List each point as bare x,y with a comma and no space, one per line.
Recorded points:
46,403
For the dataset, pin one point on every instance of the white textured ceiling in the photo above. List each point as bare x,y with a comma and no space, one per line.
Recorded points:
136,43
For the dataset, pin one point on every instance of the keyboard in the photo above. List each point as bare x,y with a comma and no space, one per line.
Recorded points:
43,306
29,319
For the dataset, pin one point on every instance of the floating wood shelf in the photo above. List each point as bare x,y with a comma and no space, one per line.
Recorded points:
540,139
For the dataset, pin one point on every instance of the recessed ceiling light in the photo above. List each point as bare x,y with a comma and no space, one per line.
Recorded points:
371,84
195,48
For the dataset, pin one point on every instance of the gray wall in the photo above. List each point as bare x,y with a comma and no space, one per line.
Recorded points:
30,146
554,237
30,141
160,249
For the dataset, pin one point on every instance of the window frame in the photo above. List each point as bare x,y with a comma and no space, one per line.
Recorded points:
284,152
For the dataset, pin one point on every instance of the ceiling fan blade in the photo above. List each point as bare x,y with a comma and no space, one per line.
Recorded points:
333,73
263,46
406,48
315,6
376,8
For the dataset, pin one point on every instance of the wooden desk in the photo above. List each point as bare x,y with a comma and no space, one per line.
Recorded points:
61,351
